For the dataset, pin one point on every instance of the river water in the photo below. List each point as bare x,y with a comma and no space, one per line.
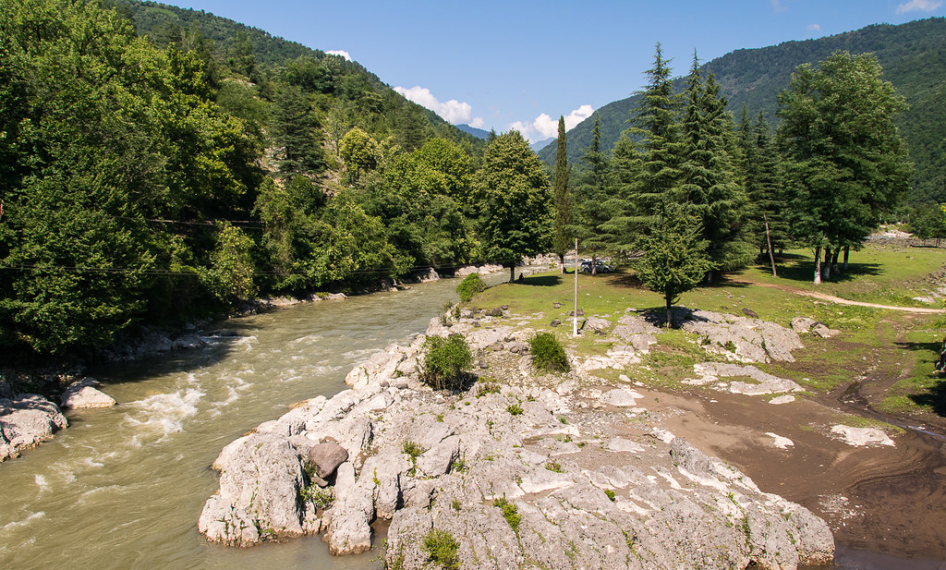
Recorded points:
123,487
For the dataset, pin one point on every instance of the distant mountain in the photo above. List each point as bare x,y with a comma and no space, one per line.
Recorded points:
539,145
914,60
478,133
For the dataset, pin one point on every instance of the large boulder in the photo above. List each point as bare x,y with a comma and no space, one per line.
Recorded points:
742,339
27,421
326,457
260,482
84,394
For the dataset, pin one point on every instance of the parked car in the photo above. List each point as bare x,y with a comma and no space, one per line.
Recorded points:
600,266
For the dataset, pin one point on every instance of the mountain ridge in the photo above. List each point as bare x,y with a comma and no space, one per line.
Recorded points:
914,59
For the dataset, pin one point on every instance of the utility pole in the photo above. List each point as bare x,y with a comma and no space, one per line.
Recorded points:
577,264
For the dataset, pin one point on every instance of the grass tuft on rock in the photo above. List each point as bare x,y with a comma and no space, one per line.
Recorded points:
510,512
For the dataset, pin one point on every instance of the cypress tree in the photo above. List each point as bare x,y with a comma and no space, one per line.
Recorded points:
563,232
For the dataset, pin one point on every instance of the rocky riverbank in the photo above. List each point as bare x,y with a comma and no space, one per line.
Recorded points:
522,468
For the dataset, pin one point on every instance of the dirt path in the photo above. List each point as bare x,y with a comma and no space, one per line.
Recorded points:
838,300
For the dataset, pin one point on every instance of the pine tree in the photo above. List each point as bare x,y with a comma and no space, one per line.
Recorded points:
298,132
708,178
563,233
592,207
675,257
656,172
759,164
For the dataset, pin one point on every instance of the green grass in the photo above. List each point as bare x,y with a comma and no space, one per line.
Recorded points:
878,274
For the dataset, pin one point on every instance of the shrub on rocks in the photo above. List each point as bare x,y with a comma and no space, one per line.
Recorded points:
446,362
547,353
470,286
442,548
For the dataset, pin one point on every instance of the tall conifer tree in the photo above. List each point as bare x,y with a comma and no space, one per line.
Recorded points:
708,179
563,233
657,170
593,201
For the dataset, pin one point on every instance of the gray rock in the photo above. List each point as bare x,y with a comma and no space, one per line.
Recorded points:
84,394
823,331
750,313
27,421
740,338
555,323
260,481
494,312
636,331
221,522
437,460
803,324
597,325
326,457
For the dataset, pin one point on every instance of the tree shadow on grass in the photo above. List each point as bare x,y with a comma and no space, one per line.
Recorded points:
932,347
541,281
934,397
805,271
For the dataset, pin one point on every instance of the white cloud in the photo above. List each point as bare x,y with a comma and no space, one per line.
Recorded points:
778,6
919,6
545,127
478,123
814,27
452,111
340,53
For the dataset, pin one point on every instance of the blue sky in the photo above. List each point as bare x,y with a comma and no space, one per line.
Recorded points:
522,63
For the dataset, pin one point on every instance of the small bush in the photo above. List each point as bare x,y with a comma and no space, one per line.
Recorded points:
413,451
447,361
610,494
442,549
510,512
514,409
488,388
547,353
554,467
321,498
470,286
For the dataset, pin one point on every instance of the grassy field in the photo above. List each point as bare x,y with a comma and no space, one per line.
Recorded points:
896,349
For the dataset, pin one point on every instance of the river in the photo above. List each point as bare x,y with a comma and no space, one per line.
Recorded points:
123,487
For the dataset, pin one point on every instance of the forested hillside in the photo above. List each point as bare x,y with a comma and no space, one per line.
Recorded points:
158,164
914,59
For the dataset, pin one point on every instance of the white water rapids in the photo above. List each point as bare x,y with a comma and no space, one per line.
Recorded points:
123,487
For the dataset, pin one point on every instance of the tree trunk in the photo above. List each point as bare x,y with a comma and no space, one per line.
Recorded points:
668,299
768,239
561,262
847,255
818,265
826,266
594,264
512,273
834,260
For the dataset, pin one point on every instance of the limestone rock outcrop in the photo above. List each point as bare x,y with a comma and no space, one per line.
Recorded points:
26,420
